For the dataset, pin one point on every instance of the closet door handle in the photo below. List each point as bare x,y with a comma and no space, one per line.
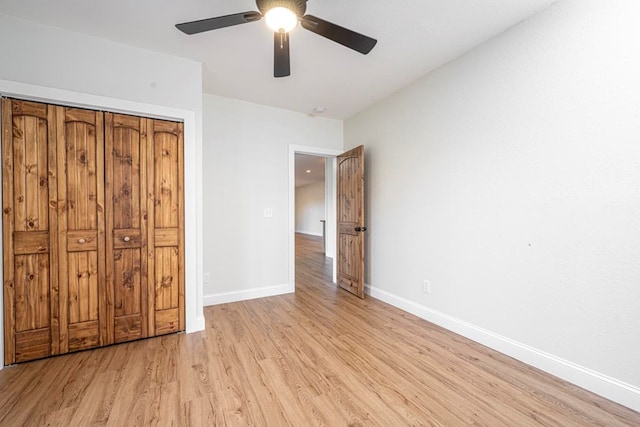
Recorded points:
81,241
126,238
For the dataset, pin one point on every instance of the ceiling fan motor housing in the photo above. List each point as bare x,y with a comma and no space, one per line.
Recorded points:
298,7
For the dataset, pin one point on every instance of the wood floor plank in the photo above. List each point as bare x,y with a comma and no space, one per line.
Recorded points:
319,357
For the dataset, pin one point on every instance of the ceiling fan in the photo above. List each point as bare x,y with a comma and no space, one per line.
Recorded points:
282,16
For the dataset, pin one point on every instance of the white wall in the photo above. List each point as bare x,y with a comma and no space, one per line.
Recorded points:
246,169
310,208
50,64
56,58
510,178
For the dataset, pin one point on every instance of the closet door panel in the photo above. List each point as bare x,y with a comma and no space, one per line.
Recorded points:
30,285
31,345
32,321
83,286
166,223
167,294
81,227
166,177
30,234
31,288
126,150
127,302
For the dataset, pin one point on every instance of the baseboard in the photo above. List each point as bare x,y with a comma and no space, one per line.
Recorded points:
309,233
198,324
247,294
610,388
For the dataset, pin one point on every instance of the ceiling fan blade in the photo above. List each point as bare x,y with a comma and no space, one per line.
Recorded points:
338,34
281,62
209,24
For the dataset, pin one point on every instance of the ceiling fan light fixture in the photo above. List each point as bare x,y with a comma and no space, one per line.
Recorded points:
281,19
282,16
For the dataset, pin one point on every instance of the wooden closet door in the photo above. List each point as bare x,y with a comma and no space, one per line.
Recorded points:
166,226
126,193
29,230
80,136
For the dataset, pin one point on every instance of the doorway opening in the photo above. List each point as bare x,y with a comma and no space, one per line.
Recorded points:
312,204
311,213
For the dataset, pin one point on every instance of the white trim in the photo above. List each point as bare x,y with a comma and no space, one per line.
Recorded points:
329,207
93,102
333,250
192,177
293,150
309,233
235,296
610,388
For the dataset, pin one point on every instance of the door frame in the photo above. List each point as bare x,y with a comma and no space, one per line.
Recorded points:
328,154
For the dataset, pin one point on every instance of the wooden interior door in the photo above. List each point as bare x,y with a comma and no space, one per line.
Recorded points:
350,218
126,224
166,226
81,236
29,230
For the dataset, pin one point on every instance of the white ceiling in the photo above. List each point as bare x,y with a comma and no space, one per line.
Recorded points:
314,164
414,37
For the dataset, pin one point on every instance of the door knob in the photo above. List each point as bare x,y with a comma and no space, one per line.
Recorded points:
358,228
364,228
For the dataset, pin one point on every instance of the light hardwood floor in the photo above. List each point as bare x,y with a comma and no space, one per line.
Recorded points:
320,356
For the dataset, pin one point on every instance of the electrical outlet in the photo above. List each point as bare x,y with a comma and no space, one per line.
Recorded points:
207,277
268,213
426,286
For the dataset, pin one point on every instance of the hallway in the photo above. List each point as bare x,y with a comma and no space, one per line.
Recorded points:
312,266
